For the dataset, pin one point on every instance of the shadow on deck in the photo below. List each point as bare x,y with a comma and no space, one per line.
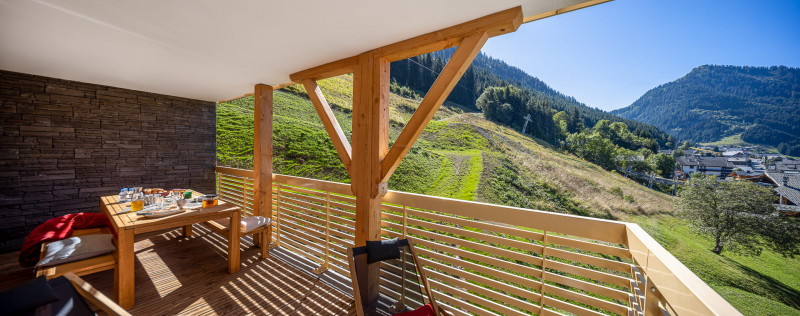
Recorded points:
176,275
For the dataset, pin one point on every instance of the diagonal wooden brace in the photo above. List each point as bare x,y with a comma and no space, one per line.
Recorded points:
329,120
441,88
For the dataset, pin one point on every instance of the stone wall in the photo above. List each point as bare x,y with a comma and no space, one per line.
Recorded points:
64,144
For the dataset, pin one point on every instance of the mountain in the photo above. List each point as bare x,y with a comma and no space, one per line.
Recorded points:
460,154
761,104
418,74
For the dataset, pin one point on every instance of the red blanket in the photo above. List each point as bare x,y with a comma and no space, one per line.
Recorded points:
56,229
425,310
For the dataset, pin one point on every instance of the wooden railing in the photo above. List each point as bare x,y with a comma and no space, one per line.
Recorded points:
491,259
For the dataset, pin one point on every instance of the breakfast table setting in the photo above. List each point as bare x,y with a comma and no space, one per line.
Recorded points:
138,210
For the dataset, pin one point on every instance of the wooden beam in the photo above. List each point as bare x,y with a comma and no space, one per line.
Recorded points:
499,23
562,10
441,88
235,98
332,69
325,113
370,145
262,153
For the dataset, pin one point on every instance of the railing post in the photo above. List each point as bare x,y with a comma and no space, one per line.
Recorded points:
244,197
639,284
278,216
651,298
544,261
405,222
633,297
325,264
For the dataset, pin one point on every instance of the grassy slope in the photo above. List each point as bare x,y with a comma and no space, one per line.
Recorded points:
764,285
464,156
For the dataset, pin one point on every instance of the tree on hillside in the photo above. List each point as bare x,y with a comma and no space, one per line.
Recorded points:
603,128
560,121
592,147
662,164
574,121
738,215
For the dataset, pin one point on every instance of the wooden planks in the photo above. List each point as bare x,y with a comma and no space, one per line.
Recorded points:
187,278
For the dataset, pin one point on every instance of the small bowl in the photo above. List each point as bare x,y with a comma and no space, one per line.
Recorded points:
181,203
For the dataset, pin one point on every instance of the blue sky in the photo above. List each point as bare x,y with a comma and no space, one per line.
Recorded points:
608,55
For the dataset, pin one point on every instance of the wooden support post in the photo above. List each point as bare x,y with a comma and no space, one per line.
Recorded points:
262,154
370,145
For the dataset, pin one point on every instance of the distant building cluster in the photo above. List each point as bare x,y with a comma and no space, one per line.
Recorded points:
745,164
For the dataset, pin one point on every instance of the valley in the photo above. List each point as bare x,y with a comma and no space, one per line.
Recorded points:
463,155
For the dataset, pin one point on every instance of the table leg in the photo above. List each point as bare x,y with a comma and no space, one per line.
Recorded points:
264,245
233,242
123,274
187,230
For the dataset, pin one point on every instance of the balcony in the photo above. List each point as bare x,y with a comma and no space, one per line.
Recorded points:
120,118
483,258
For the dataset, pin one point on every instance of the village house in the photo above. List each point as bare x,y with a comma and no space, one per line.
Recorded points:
787,186
733,154
716,166
787,165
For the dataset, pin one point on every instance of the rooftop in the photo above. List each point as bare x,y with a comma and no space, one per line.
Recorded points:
719,162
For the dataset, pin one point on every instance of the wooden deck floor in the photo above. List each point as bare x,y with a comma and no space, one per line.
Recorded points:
188,276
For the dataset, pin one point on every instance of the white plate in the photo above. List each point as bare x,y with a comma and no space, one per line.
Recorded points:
192,205
162,214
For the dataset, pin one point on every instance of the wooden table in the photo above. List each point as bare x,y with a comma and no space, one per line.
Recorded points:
127,225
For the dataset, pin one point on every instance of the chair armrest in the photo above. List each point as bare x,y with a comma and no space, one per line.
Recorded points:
94,296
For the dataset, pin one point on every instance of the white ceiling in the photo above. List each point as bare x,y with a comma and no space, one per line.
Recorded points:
210,49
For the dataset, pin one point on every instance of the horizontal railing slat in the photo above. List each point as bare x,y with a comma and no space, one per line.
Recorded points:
469,243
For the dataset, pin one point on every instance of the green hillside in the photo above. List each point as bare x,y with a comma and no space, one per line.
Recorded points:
462,155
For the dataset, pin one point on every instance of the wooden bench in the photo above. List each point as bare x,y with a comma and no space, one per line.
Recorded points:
80,267
259,238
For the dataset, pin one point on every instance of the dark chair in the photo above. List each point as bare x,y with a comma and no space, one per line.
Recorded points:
64,295
402,286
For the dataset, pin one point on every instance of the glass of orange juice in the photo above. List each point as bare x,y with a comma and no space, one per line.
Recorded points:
137,203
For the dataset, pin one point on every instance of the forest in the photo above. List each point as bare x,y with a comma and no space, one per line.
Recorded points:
712,102
508,96
418,74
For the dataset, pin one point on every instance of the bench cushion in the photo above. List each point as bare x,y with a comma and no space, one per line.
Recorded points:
76,248
249,223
